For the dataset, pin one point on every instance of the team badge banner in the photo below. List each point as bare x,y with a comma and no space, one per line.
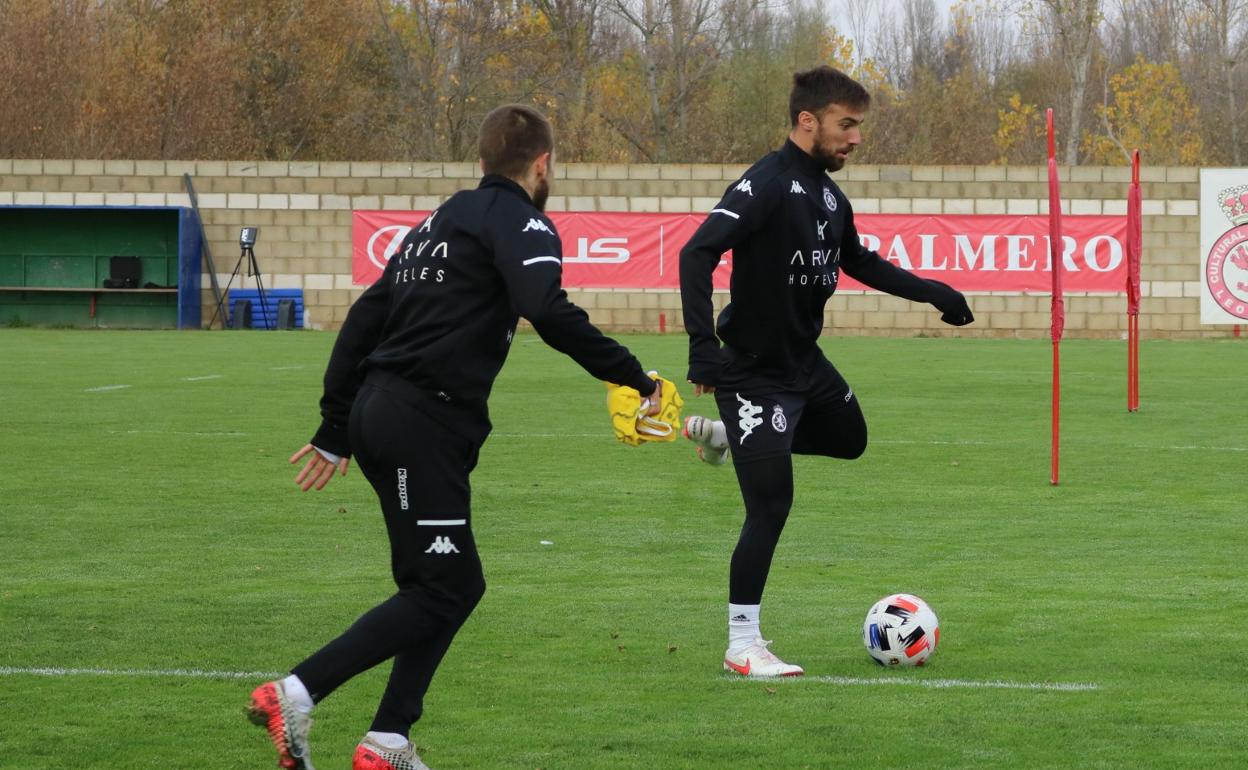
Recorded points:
970,252
1224,245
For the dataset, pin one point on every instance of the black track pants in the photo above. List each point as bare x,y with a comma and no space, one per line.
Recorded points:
830,427
419,469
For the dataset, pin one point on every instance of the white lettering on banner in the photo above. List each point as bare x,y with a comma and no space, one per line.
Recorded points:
897,253
987,250
630,250
1113,247
604,250
392,236
926,241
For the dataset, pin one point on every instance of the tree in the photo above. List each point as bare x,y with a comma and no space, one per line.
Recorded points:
1150,111
1221,28
1073,24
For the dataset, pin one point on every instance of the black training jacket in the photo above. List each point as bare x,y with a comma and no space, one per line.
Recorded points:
791,231
443,314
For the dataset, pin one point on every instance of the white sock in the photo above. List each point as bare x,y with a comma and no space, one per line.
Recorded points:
742,626
388,740
298,694
719,440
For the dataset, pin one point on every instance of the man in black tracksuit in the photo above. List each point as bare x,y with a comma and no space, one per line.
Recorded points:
791,232
405,393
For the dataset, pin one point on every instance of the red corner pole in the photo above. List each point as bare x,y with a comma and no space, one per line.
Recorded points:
1057,309
1135,247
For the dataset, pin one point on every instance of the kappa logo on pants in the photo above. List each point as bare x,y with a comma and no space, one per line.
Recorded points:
750,419
442,545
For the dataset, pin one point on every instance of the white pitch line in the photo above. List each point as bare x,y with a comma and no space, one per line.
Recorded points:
287,368
184,673
228,433
962,442
942,684
929,442
1199,448
604,434
205,377
104,388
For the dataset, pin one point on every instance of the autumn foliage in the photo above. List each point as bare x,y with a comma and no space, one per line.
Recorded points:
623,80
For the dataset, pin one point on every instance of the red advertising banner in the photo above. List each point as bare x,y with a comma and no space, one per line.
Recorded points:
969,252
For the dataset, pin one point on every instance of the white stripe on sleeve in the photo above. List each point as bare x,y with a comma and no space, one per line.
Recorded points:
535,260
732,214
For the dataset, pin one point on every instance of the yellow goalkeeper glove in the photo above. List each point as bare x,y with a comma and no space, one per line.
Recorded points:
628,413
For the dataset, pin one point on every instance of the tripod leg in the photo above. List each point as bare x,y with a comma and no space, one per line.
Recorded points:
224,297
264,303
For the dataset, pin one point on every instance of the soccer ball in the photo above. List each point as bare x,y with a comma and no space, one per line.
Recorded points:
900,630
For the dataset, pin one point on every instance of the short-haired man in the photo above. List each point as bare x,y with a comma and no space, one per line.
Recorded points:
791,232
405,393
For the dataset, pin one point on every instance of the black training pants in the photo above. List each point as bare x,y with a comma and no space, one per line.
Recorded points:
419,469
767,422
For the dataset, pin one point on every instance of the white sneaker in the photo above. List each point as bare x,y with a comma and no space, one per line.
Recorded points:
710,437
758,661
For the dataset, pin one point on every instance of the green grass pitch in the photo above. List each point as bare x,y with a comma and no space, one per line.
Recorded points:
155,528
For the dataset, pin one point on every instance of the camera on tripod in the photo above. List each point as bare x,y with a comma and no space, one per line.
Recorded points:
242,310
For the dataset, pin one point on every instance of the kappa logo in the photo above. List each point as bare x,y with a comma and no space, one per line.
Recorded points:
778,420
442,545
750,419
744,186
797,188
536,224
819,226
829,199
403,489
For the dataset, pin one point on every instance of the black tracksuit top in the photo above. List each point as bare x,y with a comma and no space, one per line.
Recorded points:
443,314
791,232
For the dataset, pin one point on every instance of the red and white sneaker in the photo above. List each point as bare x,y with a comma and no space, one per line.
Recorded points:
758,661
710,437
288,726
370,755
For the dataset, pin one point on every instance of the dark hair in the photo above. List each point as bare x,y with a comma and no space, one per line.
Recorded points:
512,137
815,89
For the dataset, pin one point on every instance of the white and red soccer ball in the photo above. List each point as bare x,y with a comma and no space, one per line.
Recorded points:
900,630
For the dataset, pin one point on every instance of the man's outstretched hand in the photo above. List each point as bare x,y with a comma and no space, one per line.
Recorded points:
318,470
953,309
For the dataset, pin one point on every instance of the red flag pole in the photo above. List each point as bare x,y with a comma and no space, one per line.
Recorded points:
1057,309
1135,247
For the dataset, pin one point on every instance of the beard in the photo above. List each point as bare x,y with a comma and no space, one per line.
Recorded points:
827,156
540,194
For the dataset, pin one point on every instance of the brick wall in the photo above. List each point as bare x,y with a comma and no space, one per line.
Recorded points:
304,212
